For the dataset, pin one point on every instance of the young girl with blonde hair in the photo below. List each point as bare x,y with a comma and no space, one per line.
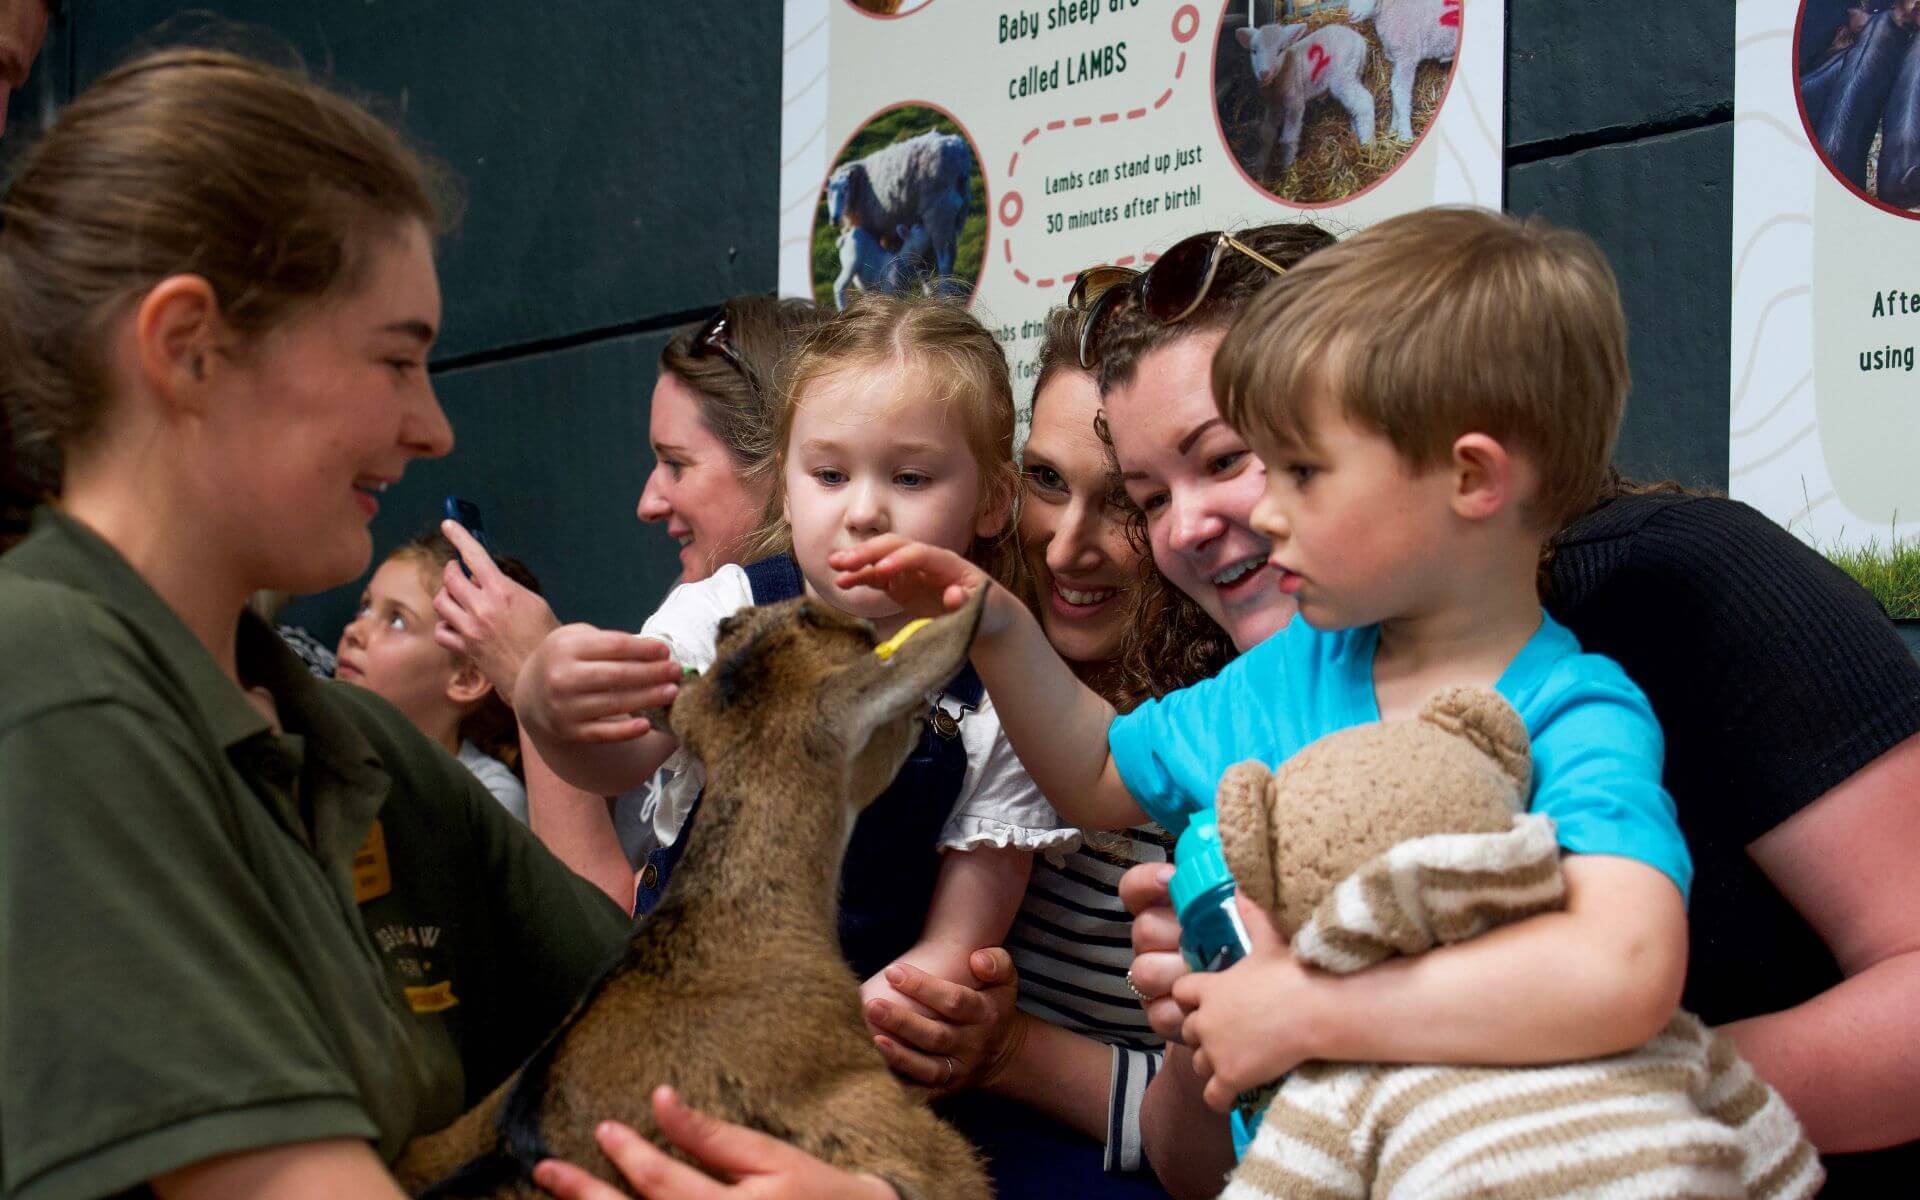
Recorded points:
898,419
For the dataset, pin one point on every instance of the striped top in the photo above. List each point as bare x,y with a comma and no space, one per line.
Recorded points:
1072,944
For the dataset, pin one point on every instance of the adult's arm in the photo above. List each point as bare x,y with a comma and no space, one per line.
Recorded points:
1848,1060
1057,725
1188,1145
577,826
305,1171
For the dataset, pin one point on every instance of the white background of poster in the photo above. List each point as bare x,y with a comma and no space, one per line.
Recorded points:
1828,450
842,66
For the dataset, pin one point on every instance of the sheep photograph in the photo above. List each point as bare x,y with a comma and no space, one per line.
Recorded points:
889,8
1321,99
1857,74
903,208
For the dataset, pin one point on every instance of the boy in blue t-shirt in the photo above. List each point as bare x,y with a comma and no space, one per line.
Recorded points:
1431,400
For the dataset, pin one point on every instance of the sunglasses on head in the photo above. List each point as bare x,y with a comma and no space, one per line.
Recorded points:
716,337
1168,291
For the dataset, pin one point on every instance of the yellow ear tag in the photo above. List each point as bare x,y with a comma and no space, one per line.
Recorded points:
887,649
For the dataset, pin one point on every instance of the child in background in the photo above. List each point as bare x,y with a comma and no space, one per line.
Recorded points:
899,419
388,648
1431,399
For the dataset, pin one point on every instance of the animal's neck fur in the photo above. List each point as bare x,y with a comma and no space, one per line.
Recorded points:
763,852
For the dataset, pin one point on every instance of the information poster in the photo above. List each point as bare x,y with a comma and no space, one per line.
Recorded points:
1825,403
999,147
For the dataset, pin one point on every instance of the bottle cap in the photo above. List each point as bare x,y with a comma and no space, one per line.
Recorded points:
1199,864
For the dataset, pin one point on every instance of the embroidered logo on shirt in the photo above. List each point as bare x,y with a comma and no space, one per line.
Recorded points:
372,878
433,998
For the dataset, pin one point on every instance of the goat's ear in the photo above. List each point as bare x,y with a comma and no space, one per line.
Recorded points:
878,690
1289,34
1244,36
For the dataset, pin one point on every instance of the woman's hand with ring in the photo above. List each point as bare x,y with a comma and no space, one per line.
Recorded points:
971,1034
1156,946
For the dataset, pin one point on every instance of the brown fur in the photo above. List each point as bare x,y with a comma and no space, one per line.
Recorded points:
733,989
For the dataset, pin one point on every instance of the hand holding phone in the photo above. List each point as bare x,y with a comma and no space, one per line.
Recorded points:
467,513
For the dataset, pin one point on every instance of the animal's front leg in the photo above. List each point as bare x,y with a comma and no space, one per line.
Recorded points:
1290,132
1402,89
1268,132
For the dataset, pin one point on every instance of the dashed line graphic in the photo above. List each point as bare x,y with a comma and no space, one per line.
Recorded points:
1186,23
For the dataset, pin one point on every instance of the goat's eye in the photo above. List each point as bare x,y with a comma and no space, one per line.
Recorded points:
728,625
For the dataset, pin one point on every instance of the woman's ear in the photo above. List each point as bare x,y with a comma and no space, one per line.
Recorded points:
1484,477
467,686
177,331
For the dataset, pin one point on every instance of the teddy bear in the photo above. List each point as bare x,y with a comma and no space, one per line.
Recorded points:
1399,836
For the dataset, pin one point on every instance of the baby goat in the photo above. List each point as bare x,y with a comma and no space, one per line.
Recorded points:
733,989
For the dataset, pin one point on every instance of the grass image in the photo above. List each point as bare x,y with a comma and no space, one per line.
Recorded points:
1331,165
1890,571
894,125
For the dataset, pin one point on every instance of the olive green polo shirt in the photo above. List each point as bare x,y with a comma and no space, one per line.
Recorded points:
215,938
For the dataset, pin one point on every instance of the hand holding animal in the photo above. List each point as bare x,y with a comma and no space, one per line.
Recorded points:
1399,837
800,724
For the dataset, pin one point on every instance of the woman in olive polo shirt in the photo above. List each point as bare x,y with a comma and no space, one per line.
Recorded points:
255,932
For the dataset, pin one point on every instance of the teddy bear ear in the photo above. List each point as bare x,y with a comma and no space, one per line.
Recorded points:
1483,717
1243,810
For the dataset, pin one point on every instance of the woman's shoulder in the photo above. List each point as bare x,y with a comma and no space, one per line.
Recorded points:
65,646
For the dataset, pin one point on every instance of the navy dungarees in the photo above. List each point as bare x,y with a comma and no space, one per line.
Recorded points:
886,883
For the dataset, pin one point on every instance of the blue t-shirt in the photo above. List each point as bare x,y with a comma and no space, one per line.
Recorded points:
1597,749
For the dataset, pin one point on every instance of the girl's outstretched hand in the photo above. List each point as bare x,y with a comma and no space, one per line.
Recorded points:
757,1166
924,580
488,618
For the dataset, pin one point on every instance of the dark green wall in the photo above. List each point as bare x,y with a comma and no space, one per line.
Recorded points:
620,165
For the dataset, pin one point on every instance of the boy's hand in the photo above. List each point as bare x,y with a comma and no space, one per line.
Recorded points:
489,618
1246,1024
584,684
924,580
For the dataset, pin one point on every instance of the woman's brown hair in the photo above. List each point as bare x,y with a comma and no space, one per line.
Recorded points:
266,184
1130,334
737,402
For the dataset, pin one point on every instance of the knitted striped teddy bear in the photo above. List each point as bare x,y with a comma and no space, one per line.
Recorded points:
1400,836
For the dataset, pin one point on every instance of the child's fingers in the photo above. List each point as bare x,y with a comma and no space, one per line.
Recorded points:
1202,1065
1219,1095
866,553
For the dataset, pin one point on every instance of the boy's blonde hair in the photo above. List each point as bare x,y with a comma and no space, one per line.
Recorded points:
937,343
1439,323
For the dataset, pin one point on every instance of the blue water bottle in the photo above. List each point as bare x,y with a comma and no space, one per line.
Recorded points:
1212,937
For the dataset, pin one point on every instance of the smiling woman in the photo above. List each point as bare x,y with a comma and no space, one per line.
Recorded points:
251,852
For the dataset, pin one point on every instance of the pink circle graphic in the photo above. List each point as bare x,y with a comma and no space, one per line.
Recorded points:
1011,207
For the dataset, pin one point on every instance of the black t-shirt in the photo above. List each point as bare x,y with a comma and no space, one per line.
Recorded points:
1775,677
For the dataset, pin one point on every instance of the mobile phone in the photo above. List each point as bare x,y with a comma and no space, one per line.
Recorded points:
467,513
